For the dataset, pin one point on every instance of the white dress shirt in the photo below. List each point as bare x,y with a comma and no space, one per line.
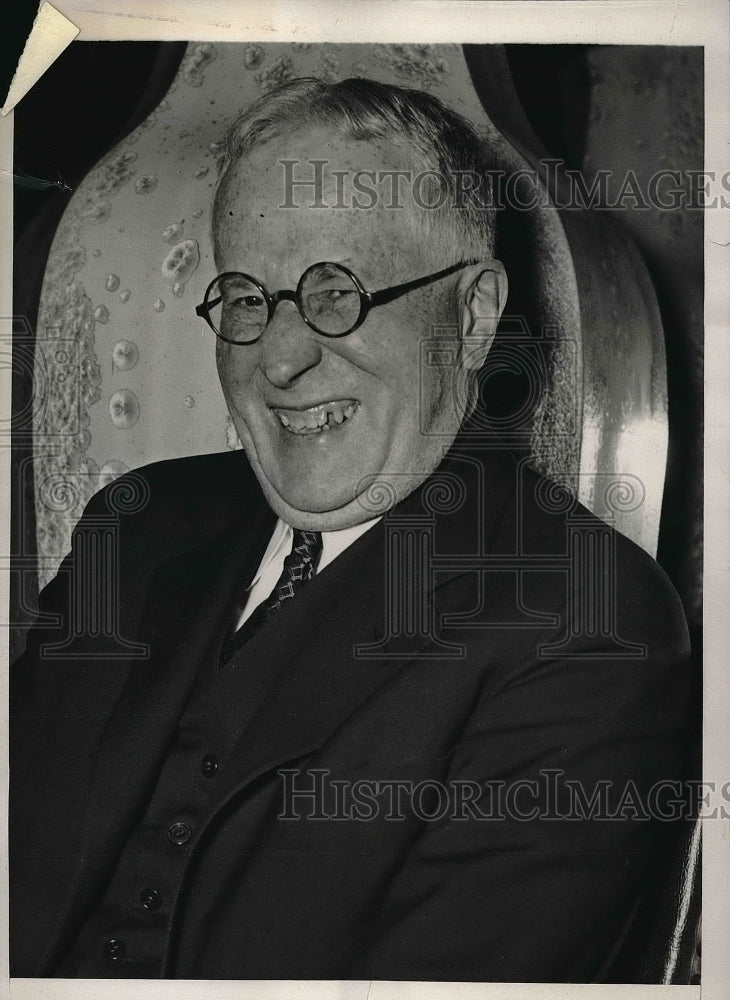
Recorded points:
279,547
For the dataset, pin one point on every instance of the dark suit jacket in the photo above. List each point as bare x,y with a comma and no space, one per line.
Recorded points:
518,685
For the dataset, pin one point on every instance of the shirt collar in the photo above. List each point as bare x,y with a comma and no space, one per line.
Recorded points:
333,543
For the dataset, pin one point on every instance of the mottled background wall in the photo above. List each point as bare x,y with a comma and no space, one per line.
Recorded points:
595,107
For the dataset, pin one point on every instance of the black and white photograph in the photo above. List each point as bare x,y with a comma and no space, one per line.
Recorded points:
361,457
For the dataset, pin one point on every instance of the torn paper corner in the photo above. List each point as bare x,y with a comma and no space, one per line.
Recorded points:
50,35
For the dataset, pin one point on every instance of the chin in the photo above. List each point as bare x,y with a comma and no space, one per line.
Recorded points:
301,513
309,486
306,507
315,480
314,503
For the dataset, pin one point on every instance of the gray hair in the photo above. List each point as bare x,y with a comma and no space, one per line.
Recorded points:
445,144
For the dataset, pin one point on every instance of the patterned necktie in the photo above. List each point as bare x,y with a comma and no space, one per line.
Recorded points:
299,567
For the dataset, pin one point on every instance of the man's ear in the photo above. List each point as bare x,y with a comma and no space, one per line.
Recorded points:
483,291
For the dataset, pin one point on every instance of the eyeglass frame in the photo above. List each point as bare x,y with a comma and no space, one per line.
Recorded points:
368,300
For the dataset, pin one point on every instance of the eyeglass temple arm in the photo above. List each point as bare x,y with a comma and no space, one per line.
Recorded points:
388,294
203,310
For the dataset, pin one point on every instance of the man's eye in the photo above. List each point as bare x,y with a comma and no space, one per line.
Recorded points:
329,300
245,302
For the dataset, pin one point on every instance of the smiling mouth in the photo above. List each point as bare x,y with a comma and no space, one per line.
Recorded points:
316,419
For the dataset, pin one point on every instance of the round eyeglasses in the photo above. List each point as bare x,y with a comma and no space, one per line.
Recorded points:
330,299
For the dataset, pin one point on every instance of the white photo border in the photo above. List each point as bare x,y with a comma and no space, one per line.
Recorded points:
617,22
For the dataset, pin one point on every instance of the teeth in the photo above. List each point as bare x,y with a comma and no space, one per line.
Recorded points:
318,418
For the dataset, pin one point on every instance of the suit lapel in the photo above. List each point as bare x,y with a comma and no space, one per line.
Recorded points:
313,679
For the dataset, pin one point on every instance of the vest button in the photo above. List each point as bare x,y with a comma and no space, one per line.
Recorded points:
113,949
179,833
209,765
150,899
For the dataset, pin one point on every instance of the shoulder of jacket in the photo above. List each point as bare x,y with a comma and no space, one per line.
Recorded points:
168,501
189,480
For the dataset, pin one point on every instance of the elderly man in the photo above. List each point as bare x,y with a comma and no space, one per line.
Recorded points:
371,737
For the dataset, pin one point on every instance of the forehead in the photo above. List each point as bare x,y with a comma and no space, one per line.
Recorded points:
316,194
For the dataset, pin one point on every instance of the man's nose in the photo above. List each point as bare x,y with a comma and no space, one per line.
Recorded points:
289,347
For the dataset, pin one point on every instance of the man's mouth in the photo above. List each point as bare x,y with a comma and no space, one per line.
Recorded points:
315,419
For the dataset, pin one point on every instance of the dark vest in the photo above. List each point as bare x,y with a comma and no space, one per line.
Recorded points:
130,933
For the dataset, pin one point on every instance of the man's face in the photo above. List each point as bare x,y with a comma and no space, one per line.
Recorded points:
385,411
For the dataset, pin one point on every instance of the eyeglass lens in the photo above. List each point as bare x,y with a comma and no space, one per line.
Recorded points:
329,299
237,308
